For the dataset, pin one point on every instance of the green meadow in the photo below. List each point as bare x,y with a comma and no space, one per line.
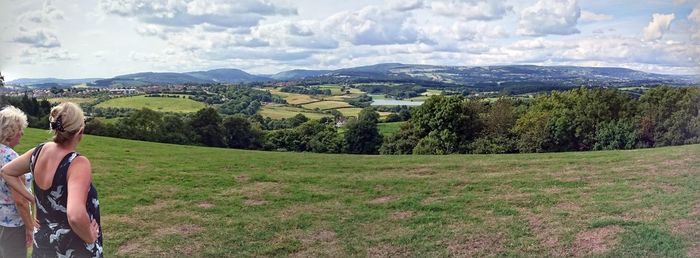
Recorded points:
173,201
162,104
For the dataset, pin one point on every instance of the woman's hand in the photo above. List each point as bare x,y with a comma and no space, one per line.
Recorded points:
28,235
94,230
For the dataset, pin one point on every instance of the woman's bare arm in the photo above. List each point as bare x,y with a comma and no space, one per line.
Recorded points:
79,179
14,171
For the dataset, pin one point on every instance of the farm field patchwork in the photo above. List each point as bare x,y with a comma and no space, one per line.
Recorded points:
169,200
279,111
324,105
294,98
162,104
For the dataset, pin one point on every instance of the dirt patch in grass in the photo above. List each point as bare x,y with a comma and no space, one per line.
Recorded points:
383,199
130,248
180,230
241,178
567,206
683,227
546,233
255,202
401,215
554,190
321,243
205,205
480,245
695,210
694,250
422,172
595,241
138,248
387,250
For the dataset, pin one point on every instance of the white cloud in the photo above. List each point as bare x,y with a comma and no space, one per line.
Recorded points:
187,13
46,15
304,34
659,25
695,15
557,17
372,26
45,56
41,38
471,9
405,5
587,16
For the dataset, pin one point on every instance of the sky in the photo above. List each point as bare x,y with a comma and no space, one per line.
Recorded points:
106,38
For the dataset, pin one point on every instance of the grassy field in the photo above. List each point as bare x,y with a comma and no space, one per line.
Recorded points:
335,89
278,112
293,98
389,128
323,105
155,103
173,201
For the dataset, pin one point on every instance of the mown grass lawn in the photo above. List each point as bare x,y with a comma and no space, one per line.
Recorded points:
162,104
172,201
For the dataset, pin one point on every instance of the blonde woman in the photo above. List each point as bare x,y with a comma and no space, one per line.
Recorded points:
66,200
16,224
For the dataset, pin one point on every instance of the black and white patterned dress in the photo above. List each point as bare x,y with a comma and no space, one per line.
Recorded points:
55,238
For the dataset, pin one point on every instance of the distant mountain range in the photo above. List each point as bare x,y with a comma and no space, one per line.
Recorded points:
470,76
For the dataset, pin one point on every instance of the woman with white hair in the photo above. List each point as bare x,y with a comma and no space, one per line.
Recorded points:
16,224
67,207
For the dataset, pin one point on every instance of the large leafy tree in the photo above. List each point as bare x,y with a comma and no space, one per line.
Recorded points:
362,135
207,125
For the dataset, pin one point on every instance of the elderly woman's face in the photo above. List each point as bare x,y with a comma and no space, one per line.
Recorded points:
14,140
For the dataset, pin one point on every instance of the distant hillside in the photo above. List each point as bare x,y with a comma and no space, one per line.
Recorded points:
227,76
298,74
50,82
479,77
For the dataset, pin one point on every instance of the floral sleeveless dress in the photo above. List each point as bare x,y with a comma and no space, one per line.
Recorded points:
55,238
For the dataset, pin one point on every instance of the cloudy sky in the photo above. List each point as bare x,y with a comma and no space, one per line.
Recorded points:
104,38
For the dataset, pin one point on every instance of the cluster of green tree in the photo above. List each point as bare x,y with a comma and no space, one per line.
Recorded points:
245,100
398,113
306,90
37,111
362,101
108,112
402,91
205,127
361,136
268,123
575,120
208,98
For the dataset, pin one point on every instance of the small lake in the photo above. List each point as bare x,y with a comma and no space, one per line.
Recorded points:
395,102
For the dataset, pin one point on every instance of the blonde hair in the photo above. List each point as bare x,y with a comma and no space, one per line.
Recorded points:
66,119
12,121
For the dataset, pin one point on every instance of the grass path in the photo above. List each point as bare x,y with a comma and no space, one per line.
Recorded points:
169,200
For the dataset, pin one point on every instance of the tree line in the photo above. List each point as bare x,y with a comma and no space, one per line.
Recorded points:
576,120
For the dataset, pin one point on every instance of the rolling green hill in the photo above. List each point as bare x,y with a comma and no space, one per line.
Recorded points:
161,104
173,201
